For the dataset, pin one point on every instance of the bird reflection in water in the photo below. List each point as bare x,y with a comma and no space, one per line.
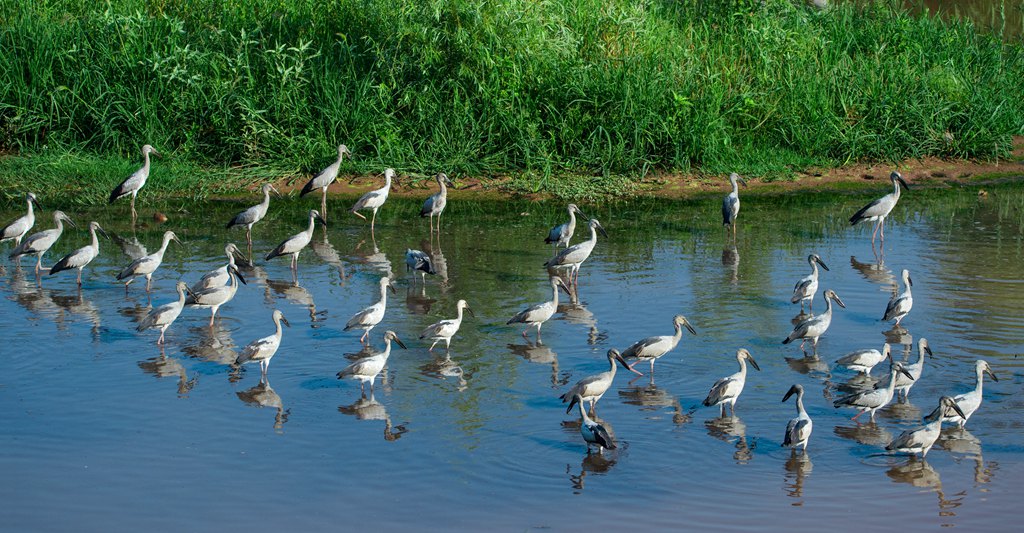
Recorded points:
215,346
368,408
577,313
870,434
899,335
731,261
732,430
298,295
798,467
541,354
810,364
326,252
439,263
416,299
593,463
874,272
77,305
167,367
918,473
34,299
263,395
650,398
374,258
443,367
964,445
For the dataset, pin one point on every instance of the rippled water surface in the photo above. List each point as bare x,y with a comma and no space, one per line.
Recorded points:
104,430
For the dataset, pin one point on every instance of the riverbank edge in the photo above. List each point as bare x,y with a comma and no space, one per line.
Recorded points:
928,172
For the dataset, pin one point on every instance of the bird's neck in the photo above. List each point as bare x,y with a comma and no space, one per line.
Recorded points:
383,293
266,198
95,240
892,382
554,297
800,404
278,331
896,190
387,183
444,188
678,335
163,246
593,235
743,368
458,316
981,381
572,218
814,269
312,225
181,296
30,211
59,223
735,188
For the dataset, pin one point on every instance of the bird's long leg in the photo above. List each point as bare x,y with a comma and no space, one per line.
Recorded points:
149,282
528,329
323,203
213,314
134,214
79,280
161,339
248,239
875,233
432,346
373,220
881,226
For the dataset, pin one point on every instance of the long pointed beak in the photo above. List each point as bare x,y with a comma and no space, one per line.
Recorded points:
102,232
910,281
790,392
276,192
399,342
72,222
753,363
322,220
470,311
991,374
928,351
392,287
580,213
743,181
690,328
822,263
904,183
957,409
601,229
905,373
626,366
285,322
240,276
838,301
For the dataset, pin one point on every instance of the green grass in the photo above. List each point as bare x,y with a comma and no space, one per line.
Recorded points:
551,92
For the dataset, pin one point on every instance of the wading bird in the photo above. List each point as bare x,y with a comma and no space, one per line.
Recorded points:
537,315
419,261
216,296
899,306
592,432
969,402
254,214
798,430
162,317
21,225
915,370
134,183
728,389
573,257
435,204
263,350
371,316
561,234
877,210
220,277
651,348
592,388
81,257
731,203
872,400
446,329
920,440
374,199
815,326
807,287
368,368
325,178
294,244
863,361
38,243
147,265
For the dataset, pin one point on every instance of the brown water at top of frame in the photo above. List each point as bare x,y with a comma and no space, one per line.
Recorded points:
102,429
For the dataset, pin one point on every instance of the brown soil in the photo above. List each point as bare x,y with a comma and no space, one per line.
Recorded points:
929,171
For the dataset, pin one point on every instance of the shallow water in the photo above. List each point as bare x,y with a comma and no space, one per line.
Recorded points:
104,430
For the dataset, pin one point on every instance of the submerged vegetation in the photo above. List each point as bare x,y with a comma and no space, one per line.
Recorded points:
537,90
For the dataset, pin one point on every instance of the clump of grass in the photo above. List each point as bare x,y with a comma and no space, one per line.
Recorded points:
575,88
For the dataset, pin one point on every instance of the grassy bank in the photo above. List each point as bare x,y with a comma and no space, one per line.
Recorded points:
236,91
